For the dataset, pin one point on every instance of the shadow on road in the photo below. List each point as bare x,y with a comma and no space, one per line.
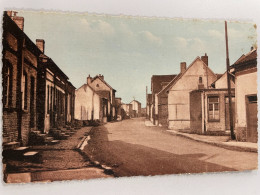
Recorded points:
133,160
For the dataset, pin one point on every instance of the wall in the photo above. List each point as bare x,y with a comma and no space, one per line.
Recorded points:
221,83
196,107
86,102
246,84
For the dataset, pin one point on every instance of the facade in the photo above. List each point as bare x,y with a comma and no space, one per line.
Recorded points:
136,106
88,104
107,95
128,110
158,82
55,94
36,93
20,66
197,76
245,71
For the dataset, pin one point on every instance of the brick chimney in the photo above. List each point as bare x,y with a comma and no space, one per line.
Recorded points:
205,59
40,43
17,19
101,76
183,67
89,78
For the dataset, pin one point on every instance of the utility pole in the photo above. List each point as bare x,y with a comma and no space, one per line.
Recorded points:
232,134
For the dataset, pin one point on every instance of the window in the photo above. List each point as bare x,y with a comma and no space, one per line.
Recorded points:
25,90
7,84
200,80
97,85
213,108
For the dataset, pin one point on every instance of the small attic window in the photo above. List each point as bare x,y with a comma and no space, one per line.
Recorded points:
97,85
200,80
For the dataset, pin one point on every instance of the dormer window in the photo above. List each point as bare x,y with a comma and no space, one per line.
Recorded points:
97,85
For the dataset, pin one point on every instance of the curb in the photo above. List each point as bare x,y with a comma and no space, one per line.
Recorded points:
219,144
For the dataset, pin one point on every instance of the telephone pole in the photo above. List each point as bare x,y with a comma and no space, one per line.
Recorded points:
232,134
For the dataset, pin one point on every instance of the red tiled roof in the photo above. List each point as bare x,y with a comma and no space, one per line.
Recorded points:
252,55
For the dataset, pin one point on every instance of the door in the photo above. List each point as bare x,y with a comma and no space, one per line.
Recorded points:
227,112
251,116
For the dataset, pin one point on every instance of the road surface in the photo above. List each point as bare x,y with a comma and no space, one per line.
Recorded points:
130,148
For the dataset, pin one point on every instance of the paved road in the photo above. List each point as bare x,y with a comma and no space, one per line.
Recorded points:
132,149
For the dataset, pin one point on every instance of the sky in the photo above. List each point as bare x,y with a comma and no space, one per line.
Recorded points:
129,50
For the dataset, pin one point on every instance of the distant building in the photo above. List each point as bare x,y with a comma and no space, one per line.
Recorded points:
88,104
197,76
245,71
158,82
136,106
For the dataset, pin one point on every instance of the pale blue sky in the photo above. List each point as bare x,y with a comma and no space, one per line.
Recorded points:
129,50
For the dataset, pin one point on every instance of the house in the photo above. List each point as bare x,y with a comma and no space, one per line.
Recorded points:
55,94
245,71
88,104
136,106
19,73
209,108
100,86
158,82
128,110
197,76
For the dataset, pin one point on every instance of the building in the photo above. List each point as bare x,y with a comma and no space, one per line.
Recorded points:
105,91
20,66
88,104
128,110
197,76
55,94
136,106
245,71
158,82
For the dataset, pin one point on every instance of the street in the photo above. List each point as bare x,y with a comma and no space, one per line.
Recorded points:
131,149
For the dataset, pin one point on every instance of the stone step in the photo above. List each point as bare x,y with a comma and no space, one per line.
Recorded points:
32,156
10,145
15,154
37,132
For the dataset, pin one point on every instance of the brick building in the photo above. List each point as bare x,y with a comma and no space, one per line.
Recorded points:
20,66
158,82
55,94
36,93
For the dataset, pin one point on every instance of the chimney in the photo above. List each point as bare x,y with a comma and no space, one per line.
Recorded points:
101,76
17,19
89,78
40,43
183,67
205,59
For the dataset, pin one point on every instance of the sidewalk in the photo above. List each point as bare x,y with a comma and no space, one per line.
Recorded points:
62,161
220,141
